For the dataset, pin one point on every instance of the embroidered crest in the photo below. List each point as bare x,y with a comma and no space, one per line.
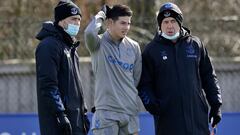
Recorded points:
190,49
74,11
191,52
167,14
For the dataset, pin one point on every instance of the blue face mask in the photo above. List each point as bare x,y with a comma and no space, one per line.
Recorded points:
72,30
173,37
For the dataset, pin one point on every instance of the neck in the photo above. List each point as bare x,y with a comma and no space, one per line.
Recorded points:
113,37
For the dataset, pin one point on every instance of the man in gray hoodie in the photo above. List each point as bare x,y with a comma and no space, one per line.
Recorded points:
116,62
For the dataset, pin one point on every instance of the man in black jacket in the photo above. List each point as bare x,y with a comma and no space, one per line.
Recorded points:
178,79
59,89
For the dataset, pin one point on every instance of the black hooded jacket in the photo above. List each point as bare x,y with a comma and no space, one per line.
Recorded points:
59,86
175,79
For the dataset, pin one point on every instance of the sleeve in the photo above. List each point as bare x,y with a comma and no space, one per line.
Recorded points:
209,80
145,86
91,37
137,67
47,66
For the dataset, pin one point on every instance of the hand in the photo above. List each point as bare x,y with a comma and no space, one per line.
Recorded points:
106,9
64,123
216,115
150,105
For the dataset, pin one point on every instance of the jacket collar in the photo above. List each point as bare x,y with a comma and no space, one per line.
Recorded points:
108,37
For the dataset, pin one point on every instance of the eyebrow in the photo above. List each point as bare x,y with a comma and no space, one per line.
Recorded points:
125,21
76,18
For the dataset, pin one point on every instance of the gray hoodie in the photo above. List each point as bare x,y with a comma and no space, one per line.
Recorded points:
117,68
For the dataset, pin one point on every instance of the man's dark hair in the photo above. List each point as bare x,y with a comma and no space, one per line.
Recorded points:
117,11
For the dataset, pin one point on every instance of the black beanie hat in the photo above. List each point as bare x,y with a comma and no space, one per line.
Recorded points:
170,10
65,9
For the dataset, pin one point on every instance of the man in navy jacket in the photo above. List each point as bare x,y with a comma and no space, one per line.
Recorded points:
178,80
59,89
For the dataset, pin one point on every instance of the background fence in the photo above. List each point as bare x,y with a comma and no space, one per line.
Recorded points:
18,85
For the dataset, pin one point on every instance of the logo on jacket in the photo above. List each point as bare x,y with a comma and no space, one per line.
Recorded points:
167,14
124,65
190,52
97,123
163,55
74,11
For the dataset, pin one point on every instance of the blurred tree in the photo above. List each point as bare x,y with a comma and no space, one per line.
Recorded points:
215,21
143,20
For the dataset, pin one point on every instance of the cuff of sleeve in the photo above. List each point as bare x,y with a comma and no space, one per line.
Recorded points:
101,15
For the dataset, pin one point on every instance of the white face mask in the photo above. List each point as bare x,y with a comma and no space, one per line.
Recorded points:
173,37
72,29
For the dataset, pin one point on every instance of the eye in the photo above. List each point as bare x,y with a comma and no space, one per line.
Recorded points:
125,23
173,21
165,22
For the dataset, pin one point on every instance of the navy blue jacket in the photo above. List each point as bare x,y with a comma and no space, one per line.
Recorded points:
174,81
59,86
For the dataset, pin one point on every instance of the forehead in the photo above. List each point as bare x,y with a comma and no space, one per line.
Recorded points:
124,18
74,17
169,19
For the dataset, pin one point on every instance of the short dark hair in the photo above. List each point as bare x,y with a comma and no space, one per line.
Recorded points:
119,10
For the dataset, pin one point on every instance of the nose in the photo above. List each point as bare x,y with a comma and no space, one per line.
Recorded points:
170,25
